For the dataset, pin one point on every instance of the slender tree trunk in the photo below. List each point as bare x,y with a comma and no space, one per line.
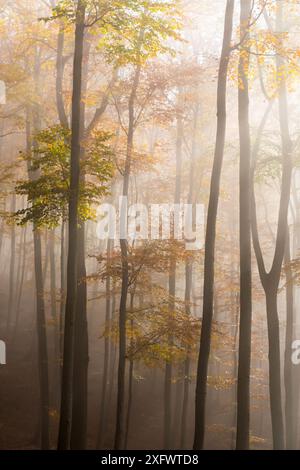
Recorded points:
169,365
270,280
113,358
62,293
11,295
290,416
52,273
129,405
42,341
40,322
21,283
130,379
81,354
106,358
64,438
186,373
120,422
243,384
172,289
274,369
43,364
188,291
81,358
56,332
60,63
3,207
46,257
208,290
80,392
120,426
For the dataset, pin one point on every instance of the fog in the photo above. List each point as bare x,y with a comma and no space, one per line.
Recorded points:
177,341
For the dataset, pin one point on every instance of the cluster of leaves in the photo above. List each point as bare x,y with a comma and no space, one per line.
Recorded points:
294,266
143,259
131,31
159,317
151,325
267,169
47,190
259,50
141,31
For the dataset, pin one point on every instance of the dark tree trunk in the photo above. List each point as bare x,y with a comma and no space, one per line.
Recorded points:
186,370
120,425
172,289
270,280
274,366
42,341
81,354
64,438
290,416
11,295
243,383
56,332
208,290
43,364
41,333
130,379
60,63
81,359
62,293
113,358
169,365
21,283
188,291
52,273
106,358
129,405
120,421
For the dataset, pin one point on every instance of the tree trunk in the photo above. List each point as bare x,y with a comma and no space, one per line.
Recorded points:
243,383
130,379
81,353
62,293
39,282
65,425
172,288
60,63
120,422
21,283
52,273
106,358
274,366
120,425
42,341
208,290
11,295
290,417
81,359
188,289
186,383
270,280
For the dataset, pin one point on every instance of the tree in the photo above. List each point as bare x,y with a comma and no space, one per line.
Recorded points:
270,280
243,387
208,289
64,439
153,25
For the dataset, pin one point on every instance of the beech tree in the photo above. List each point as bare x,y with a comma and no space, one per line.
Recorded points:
208,289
